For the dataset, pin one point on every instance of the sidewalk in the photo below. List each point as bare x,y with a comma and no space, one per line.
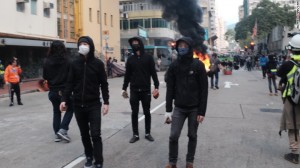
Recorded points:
26,87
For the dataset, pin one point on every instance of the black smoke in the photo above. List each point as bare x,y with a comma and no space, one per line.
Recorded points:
188,16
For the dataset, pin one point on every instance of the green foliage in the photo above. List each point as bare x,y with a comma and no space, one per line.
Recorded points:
230,34
268,16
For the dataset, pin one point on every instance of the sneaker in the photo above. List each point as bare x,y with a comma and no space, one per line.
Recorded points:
20,103
134,139
11,104
271,94
64,136
171,166
98,166
217,87
149,137
275,94
291,157
88,163
57,138
189,165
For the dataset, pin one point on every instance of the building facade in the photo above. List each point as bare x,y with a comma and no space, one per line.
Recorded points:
145,20
66,21
26,33
99,19
241,12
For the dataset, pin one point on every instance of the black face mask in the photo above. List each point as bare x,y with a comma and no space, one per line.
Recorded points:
136,47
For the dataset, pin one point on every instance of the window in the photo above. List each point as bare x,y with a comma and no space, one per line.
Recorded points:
90,14
72,29
47,12
58,5
111,21
66,6
125,24
59,32
105,21
65,28
98,17
135,23
20,7
159,23
33,7
147,23
71,7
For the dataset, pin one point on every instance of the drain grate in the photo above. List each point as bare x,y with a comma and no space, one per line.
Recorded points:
269,110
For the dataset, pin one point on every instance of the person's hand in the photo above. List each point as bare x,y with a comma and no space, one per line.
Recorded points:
124,94
200,118
168,117
63,107
155,93
105,109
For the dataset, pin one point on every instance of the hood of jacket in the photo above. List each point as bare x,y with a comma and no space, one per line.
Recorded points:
90,41
189,55
140,43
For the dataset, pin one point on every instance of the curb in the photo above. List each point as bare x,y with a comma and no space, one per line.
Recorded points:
23,92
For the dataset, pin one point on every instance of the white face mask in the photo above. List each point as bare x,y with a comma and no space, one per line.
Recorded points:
84,50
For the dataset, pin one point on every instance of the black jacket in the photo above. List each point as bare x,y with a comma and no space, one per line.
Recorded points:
271,65
85,77
139,70
187,83
284,69
55,71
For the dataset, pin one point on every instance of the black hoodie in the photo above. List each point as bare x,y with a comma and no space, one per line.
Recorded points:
187,82
139,70
85,77
55,71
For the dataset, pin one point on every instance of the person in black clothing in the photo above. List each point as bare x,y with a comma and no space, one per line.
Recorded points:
109,67
271,69
187,84
85,78
139,69
55,72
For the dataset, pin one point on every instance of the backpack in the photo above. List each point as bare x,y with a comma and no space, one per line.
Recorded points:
295,88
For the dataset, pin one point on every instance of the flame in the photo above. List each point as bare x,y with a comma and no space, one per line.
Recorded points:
203,58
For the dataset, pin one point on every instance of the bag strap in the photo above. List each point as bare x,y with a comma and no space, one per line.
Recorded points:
295,63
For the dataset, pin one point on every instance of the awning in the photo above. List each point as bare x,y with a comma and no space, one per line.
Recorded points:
30,41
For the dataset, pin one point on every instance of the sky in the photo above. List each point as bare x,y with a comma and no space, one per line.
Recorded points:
229,10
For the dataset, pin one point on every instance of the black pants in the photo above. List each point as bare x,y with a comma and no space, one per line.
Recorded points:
145,98
178,119
89,122
15,88
264,70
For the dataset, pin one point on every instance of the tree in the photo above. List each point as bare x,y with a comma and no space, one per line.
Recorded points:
268,15
230,35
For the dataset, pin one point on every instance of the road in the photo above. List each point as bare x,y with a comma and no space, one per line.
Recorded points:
240,130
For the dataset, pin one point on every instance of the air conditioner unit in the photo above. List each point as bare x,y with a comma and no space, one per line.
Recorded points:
121,8
48,5
22,1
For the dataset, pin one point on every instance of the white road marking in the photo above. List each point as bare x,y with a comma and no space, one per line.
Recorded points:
80,159
153,110
229,84
75,162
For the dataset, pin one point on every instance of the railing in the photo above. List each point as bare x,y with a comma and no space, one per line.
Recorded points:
139,7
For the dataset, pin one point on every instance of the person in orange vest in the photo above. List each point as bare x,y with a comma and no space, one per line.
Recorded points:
12,79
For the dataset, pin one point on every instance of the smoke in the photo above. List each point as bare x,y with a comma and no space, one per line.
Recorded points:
188,16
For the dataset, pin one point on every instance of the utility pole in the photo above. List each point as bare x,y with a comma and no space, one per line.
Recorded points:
100,8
